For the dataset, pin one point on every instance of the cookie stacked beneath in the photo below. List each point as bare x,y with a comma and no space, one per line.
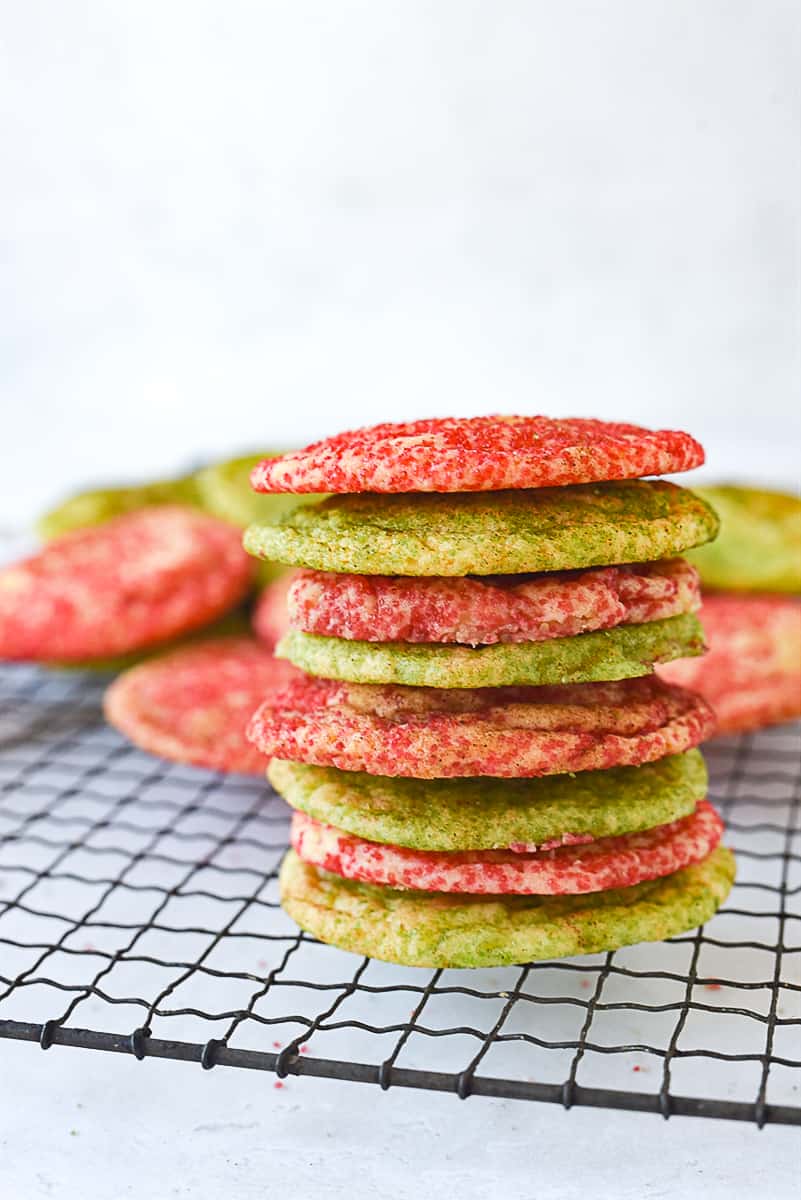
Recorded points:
484,768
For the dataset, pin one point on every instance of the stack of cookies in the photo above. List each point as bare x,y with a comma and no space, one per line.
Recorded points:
483,766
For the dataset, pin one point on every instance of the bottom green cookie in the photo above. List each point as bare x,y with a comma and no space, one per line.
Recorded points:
620,653
427,929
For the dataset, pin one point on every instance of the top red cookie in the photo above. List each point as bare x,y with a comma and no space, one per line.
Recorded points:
478,454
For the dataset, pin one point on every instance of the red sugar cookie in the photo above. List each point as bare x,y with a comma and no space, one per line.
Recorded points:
430,733
135,581
472,611
193,705
751,674
478,454
611,862
270,619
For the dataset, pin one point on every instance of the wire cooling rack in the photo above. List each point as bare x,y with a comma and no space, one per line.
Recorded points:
139,914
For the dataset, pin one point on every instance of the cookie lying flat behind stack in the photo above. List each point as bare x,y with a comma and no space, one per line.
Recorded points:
192,704
759,546
751,611
752,673
465,838
136,582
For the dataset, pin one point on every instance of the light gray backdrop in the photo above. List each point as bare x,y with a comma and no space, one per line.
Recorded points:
228,225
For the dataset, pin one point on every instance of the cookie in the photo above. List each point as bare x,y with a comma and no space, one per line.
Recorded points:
438,930
270,619
759,545
446,815
225,491
472,611
467,454
551,529
752,674
236,622
430,733
193,704
769,701
607,654
595,866
135,581
94,508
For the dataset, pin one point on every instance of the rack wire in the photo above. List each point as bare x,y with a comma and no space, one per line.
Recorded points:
139,914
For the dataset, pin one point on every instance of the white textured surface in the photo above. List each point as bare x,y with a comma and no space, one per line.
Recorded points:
83,1126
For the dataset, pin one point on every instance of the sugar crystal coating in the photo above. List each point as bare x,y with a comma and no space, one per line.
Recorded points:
270,620
569,869
751,675
434,929
498,533
620,653
430,733
472,611
483,813
134,581
463,454
193,705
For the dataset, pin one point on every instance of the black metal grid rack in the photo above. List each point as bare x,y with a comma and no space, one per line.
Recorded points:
139,914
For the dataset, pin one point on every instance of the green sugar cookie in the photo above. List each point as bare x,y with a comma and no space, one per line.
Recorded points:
488,814
488,533
96,507
759,546
225,491
433,929
620,653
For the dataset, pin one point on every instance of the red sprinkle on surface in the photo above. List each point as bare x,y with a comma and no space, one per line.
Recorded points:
514,608
278,1085
276,1045
751,674
713,987
478,454
610,862
193,705
430,733
135,581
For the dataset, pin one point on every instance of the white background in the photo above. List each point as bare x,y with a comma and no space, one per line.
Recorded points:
86,1126
244,224
234,224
